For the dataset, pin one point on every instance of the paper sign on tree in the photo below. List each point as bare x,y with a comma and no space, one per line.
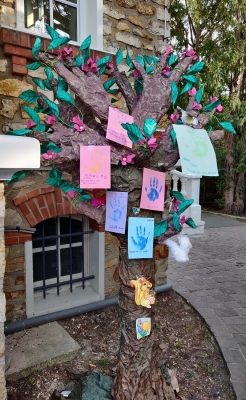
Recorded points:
116,209
95,167
196,151
140,237
153,190
115,131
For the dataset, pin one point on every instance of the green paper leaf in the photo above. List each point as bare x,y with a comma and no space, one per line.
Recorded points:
174,92
184,205
39,83
191,78
65,96
149,127
32,114
228,127
29,96
177,195
47,84
34,66
110,82
102,69
113,91
49,73
197,67
53,106
66,187
58,42
54,178
211,106
37,47
155,59
199,94
103,61
129,61
147,59
62,85
149,69
133,132
191,223
79,61
41,127
174,138
172,59
140,61
113,101
53,147
118,57
52,32
19,132
84,197
86,43
138,86
160,228
176,222
18,175
187,87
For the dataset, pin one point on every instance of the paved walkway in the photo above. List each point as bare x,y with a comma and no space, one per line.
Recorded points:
213,281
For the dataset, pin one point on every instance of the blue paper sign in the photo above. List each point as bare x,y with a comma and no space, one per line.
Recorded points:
140,237
116,209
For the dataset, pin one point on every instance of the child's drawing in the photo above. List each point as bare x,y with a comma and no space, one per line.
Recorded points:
116,209
152,197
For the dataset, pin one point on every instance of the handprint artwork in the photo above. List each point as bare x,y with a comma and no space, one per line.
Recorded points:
196,151
152,197
140,237
95,167
153,190
115,131
116,209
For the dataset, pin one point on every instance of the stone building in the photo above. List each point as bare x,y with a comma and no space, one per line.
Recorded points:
35,210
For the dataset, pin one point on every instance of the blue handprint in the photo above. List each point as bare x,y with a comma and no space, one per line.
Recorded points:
141,239
153,194
117,210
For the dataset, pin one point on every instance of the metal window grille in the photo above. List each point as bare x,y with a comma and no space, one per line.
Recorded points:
58,254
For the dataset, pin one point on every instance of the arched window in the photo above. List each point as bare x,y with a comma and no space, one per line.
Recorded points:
64,265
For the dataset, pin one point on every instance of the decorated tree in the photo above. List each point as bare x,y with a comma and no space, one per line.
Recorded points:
150,90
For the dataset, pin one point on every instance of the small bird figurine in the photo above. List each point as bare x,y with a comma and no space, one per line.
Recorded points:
186,118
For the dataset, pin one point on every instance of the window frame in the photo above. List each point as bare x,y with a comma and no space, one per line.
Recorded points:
89,21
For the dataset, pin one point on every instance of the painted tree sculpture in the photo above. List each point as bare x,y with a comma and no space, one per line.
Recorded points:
150,91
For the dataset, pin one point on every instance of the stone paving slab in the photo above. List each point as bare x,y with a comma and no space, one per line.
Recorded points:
36,348
213,281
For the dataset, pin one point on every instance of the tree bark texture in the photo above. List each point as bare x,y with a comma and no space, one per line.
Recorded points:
139,376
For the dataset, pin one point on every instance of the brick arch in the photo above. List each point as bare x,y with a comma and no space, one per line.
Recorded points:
43,203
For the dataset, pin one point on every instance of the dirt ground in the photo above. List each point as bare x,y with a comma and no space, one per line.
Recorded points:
185,340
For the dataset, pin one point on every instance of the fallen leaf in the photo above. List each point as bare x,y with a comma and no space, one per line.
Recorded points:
174,380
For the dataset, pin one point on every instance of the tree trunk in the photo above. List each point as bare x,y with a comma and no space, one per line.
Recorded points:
229,164
139,376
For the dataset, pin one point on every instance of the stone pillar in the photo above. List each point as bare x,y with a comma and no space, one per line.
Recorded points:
3,393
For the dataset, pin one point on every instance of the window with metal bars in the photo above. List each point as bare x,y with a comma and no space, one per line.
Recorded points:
60,254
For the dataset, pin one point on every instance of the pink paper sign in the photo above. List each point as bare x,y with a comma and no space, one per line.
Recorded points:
153,190
116,209
95,167
115,132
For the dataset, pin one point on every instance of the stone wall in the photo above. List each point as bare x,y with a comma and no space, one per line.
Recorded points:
137,24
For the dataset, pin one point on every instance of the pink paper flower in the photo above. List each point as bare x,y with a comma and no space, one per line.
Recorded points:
30,124
189,53
62,54
71,194
49,155
219,108
196,106
91,65
192,92
174,118
213,99
166,70
151,143
99,198
50,119
175,204
110,64
183,219
127,159
78,123
169,50
136,74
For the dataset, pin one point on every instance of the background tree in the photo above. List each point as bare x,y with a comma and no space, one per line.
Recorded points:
216,30
157,84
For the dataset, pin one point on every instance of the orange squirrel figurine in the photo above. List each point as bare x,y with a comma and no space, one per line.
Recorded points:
143,295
